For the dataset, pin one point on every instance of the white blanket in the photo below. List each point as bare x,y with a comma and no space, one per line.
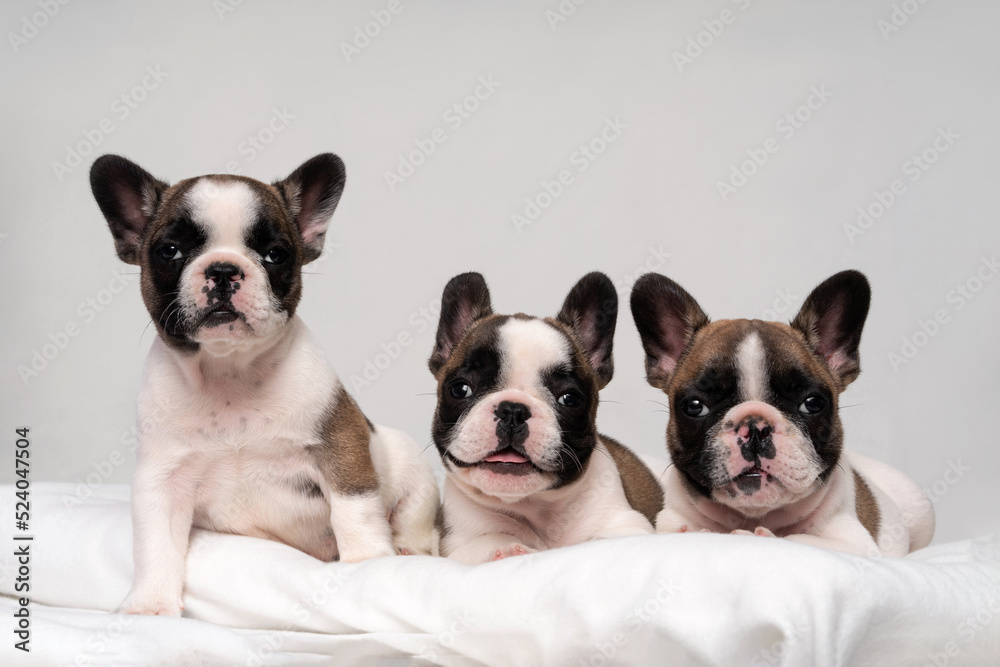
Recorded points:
692,599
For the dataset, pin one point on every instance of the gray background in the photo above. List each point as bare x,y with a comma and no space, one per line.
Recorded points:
653,191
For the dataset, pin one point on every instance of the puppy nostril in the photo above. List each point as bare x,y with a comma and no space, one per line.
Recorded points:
512,413
223,272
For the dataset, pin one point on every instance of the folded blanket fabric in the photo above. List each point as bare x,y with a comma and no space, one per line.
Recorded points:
692,599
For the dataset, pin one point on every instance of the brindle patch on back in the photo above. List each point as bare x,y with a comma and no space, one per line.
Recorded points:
642,491
343,455
866,506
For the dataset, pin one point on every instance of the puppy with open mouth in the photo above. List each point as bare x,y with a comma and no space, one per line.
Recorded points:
755,434
243,426
515,424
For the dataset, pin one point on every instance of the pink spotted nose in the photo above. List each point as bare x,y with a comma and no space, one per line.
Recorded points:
754,438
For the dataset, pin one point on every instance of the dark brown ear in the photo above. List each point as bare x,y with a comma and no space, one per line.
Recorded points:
465,300
311,194
128,196
667,318
591,311
832,318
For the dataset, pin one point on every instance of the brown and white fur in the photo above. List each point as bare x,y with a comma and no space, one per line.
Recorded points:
243,426
754,433
516,427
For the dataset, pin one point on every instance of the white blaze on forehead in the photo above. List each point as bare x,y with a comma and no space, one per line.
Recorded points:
224,209
751,363
528,348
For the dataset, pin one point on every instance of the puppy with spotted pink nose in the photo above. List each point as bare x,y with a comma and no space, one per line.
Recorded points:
516,427
243,426
754,433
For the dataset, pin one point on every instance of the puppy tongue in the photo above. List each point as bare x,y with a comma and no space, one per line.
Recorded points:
506,456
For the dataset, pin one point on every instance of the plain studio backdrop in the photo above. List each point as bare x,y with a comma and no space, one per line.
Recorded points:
747,149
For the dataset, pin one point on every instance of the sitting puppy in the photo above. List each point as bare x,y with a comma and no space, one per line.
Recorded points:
754,432
515,427
244,427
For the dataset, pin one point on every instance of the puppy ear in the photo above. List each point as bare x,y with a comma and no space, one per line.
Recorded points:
128,196
832,318
465,300
311,194
591,311
667,318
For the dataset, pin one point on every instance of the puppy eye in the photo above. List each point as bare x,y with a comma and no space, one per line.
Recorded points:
460,389
812,405
570,399
169,253
276,255
693,407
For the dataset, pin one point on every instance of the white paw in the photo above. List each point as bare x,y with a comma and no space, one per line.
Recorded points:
151,605
685,529
512,550
365,553
759,531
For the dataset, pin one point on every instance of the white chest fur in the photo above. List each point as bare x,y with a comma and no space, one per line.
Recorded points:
235,435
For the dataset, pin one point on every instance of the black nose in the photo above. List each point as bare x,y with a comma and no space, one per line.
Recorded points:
512,427
225,276
512,413
758,443
223,272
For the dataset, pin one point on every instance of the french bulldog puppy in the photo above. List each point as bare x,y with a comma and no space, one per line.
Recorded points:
754,433
526,469
244,427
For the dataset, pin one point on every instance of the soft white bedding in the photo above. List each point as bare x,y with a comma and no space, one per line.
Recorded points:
668,600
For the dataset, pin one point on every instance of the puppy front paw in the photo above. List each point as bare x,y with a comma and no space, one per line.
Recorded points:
365,552
686,529
512,550
151,605
759,531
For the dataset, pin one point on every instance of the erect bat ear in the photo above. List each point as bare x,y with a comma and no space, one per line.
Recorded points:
831,319
128,196
667,318
465,300
591,311
311,194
